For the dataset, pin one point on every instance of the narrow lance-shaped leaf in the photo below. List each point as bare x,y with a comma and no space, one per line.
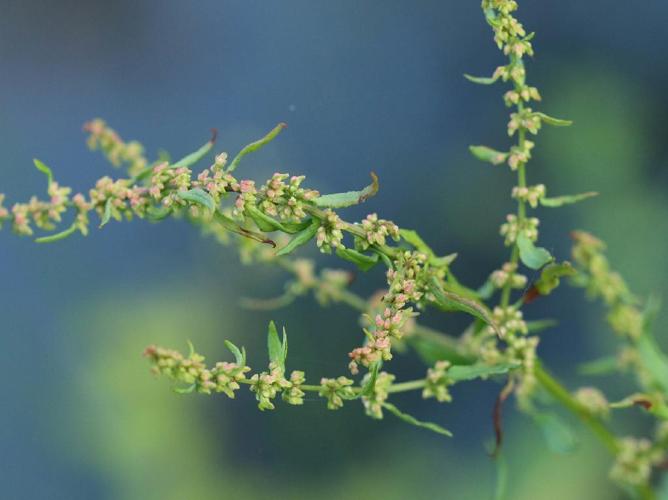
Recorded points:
482,80
414,421
472,372
239,354
192,158
559,201
347,199
601,366
364,262
531,255
234,227
263,221
106,216
555,122
413,238
299,239
58,236
370,384
488,154
651,355
198,196
44,169
559,436
274,346
254,146
450,301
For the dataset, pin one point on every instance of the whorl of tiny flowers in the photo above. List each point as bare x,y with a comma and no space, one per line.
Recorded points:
114,148
634,461
286,200
437,382
330,234
373,403
530,194
509,320
247,197
520,154
294,395
214,180
512,228
192,371
507,274
267,385
593,400
336,390
376,231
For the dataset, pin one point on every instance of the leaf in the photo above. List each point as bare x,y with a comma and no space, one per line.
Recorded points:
58,236
274,346
652,405
451,301
263,221
254,146
198,196
299,239
654,360
479,370
341,200
106,217
551,276
364,262
370,384
284,347
196,156
239,355
413,238
531,255
234,227
558,435
430,351
294,227
44,169
559,201
185,390
540,325
555,122
482,80
157,213
601,366
488,154
414,421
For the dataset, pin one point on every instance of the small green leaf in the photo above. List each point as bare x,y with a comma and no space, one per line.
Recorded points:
300,238
559,436
451,301
106,216
431,351
44,169
488,154
263,221
284,348
58,236
198,196
158,213
364,262
479,370
370,385
254,146
341,200
559,201
601,366
654,360
414,421
185,390
413,238
551,275
274,346
291,227
239,355
540,325
650,404
482,80
556,122
192,158
234,227
532,256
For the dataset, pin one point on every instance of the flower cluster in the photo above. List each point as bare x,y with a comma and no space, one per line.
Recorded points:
286,200
437,382
530,195
634,461
515,225
330,234
593,400
508,275
373,402
114,148
336,390
376,231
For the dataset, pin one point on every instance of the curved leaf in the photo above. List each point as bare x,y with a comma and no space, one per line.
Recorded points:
301,238
341,200
559,201
196,156
488,154
531,255
198,196
482,80
44,169
410,419
58,236
555,122
254,146
479,370
364,262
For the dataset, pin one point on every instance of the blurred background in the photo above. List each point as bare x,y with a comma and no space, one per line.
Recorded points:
363,85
